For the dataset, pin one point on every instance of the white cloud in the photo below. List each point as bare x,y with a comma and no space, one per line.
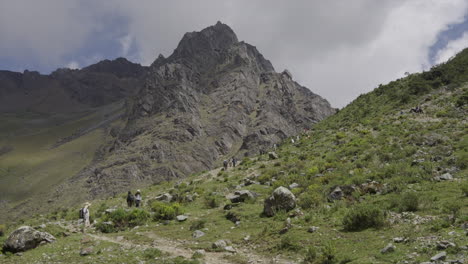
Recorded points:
452,48
73,65
125,44
339,49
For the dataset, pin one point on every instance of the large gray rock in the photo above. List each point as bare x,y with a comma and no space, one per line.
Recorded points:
241,196
441,256
25,238
281,199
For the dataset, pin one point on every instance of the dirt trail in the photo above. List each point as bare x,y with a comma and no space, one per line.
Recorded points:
179,248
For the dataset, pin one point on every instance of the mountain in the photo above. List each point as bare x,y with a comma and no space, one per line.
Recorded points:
214,98
66,91
384,180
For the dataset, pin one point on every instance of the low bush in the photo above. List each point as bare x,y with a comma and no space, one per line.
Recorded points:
464,188
287,243
121,219
197,225
152,253
361,217
165,211
409,202
212,201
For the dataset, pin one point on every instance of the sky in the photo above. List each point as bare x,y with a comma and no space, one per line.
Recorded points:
338,49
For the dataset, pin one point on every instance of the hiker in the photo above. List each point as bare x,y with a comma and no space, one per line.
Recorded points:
275,146
225,164
130,199
84,214
137,198
234,161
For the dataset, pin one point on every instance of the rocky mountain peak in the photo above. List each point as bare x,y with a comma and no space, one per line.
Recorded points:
214,38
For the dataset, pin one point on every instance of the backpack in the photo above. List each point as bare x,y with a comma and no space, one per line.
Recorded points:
82,213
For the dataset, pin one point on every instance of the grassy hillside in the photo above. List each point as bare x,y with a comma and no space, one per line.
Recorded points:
41,151
387,160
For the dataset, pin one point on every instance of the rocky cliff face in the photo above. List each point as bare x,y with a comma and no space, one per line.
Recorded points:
214,98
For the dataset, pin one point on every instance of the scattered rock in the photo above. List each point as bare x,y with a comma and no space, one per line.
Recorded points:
273,155
444,177
86,251
444,244
241,196
336,194
198,234
200,252
399,239
233,217
441,256
281,199
181,218
110,210
25,238
388,249
247,238
312,229
166,197
293,185
230,249
220,244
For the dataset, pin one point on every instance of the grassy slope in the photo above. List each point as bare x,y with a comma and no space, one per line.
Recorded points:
368,140
34,166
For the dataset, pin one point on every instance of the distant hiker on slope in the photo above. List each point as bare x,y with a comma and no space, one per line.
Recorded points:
130,199
137,198
234,161
84,214
225,165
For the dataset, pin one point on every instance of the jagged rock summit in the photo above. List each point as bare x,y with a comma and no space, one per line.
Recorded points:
214,98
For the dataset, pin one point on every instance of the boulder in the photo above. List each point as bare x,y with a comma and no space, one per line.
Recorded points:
281,199
441,256
166,197
230,249
241,196
198,234
86,251
389,248
220,244
181,218
25,238
312,229
444,244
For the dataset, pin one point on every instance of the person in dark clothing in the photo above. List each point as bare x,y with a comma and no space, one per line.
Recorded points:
225,164
130,199
234,161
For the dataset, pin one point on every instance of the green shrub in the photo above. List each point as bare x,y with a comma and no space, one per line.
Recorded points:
197,225
287,243
165,211
453,208
310,255
212,201
152,253
361,217
122,219
409,202
328,254
438,225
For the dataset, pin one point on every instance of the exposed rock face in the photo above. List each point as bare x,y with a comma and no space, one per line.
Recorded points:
25,238
281,199
213,98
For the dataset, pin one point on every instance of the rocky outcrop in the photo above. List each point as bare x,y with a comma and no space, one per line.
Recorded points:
281,199
25,238
214,98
